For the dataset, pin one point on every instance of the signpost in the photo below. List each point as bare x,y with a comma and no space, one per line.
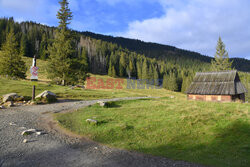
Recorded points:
34,76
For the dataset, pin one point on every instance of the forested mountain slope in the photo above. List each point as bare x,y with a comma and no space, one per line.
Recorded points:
118,57
164,52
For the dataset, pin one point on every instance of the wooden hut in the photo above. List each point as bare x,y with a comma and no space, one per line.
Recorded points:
216,86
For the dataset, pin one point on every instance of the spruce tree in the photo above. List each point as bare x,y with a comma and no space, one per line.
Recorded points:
24,46
43,47
11,59
110,68
139,69
165,81
62,63
221,61
156,77
150,72
64,14
122,65
144,69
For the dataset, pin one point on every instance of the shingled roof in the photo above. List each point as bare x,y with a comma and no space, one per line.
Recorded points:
216,83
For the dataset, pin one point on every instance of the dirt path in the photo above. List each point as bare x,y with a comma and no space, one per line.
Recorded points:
60,148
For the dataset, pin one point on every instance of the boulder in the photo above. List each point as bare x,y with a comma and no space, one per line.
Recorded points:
91,121
47,95
101,103
12,97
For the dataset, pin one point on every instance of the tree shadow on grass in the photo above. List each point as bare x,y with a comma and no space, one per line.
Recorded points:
230,147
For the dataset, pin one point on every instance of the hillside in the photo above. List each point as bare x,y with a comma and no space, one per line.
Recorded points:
119,57
165,52
35,38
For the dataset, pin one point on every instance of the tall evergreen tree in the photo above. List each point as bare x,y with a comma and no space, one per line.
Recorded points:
43,48
122,65
24,46
11,59
110,68
165,81
63,58
139,69
145,69
150,72
221,61
64,14
156,77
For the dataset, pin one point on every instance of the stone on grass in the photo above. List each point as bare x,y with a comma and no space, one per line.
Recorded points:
47,96
12,97
101,103
28,132
91,121
171,97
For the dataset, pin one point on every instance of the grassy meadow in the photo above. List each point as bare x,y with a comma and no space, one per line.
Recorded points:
24,87
209,133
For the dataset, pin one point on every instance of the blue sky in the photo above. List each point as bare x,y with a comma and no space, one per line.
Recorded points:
189,24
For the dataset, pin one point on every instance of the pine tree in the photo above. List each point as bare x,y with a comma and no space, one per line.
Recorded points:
165,81
62,63
221,61
64,14
156,77
43,48
139,69
24,46
172,83
145,69
113,71
122,65
11,59
150,72
110,68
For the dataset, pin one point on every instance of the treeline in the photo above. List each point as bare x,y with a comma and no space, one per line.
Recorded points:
106,57
165,52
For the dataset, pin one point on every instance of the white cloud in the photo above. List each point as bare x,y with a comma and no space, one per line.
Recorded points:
197,24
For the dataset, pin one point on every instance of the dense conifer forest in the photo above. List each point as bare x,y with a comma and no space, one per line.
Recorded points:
118,57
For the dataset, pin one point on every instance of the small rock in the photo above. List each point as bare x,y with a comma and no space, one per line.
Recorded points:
38,133
28,132
25,141
91,121
12,124
101,103
95,148
171,97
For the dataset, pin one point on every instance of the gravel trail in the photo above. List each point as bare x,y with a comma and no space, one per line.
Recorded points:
58,148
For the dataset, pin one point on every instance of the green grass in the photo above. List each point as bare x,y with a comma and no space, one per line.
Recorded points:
24,87
209,133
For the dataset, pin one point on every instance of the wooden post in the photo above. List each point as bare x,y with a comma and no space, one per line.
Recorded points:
33,92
